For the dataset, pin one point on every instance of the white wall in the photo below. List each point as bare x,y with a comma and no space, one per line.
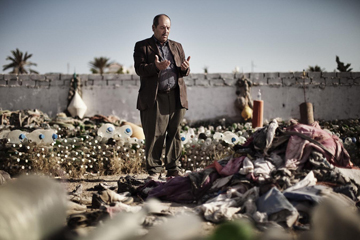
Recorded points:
333,95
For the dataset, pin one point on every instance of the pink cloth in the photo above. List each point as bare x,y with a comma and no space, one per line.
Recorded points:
232,166
298,149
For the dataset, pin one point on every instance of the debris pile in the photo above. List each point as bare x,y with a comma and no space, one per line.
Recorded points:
285,180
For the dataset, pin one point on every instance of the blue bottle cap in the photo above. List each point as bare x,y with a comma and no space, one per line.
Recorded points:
22,136
54,136
109,130
183,139
233,139
41,136
128,130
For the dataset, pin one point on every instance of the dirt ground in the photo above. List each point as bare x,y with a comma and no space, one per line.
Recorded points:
89,182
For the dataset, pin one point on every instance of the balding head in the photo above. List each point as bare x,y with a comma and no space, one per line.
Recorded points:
156,19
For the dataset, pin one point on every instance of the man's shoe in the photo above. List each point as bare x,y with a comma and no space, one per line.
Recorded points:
174,173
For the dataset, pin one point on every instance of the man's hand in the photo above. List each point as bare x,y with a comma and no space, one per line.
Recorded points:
185,65
161,65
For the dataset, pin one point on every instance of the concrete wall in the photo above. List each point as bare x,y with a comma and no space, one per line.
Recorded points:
333,95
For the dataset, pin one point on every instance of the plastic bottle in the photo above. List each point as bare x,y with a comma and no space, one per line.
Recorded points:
259,95
218,136
43,136
4,132
184,138
133,140
230,137
125,131
201,129
50,135
106,131
242,140
208,133
248,126
191,133
348,141
36,136
15,136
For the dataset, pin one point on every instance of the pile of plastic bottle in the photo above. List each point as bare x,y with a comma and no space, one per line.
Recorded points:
108,149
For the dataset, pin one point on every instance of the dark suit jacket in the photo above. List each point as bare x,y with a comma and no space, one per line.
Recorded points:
144,63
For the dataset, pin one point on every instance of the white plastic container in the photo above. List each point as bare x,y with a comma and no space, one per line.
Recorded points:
230,138
218,136
125,131
42,136
184,137
106,131
15,136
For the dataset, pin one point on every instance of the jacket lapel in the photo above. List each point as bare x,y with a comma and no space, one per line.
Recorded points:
153,46
174,52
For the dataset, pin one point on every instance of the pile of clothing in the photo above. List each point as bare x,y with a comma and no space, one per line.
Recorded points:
277,176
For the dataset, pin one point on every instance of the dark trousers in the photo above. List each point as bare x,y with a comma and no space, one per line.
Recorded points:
161,124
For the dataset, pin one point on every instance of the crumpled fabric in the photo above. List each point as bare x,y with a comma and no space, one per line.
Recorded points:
225,206
73,208
178,189
263,168
350,174
277,207
122,207
220,182
298,149
218,209
273,125
309,180
247,167
109,196
195,185
232,166
275,159
308,193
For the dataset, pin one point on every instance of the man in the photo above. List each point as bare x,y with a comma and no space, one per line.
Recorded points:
162,98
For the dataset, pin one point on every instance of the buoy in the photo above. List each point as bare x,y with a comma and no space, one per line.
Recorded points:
77,107
246,113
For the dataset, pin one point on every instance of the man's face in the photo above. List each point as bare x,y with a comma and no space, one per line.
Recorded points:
161,32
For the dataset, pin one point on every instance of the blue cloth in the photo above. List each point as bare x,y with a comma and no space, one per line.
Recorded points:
310,193
273,201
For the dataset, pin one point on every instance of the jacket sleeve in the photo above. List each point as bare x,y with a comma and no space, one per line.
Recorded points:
142,67
182,57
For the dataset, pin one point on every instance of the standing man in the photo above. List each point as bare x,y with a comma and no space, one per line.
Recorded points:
162,99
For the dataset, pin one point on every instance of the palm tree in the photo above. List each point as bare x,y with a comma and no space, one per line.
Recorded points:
99,65
19,62
315,68
341,66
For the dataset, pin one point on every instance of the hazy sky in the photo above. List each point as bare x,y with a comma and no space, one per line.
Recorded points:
276,35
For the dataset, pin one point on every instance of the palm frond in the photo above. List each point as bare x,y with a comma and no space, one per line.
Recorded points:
19,61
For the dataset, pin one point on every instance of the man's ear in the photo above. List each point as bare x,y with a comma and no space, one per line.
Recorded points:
153,27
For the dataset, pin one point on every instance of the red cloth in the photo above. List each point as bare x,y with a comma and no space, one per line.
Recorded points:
298,149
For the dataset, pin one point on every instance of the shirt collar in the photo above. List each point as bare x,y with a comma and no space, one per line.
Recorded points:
158,43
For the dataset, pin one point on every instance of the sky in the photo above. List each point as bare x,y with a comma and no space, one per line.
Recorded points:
220,35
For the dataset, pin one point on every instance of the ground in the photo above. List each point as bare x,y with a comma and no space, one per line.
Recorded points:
88,184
